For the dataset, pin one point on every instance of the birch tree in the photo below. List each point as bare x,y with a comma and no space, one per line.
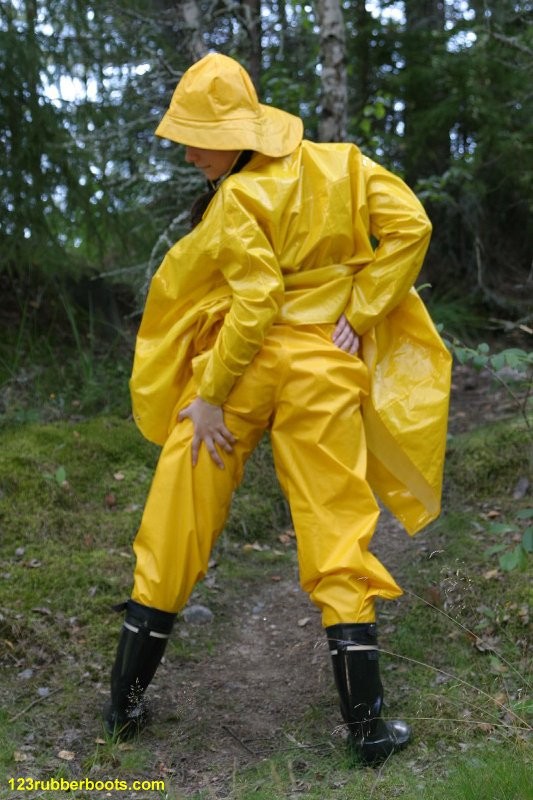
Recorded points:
191,16
333,117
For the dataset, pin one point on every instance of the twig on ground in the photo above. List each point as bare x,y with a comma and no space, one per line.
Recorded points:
242,744
34,703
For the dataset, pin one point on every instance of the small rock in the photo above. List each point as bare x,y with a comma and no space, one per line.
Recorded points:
521,489
197,615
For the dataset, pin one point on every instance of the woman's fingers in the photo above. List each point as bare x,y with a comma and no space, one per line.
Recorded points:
345,337
209,429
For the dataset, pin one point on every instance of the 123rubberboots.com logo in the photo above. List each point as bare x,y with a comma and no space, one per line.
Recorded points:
85,784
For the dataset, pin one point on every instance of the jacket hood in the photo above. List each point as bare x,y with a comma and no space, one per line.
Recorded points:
215,107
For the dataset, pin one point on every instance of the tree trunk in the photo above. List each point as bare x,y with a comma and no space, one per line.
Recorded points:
333,116
427,135
284,24
191,16
361,79
252,21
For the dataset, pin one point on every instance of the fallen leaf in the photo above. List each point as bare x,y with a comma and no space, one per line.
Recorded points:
119,476
255,546
66,755
110,500
18,756
490,574
486,727
433,596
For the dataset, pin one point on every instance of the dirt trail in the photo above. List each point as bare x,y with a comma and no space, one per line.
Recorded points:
232,706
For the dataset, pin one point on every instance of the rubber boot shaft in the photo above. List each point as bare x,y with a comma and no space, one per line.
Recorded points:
141,646
355,657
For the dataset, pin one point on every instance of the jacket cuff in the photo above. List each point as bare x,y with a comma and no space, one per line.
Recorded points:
213,379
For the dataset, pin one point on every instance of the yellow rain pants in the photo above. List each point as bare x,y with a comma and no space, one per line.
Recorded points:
308,392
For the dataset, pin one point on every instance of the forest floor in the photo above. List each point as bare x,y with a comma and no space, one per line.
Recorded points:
244,706
271,665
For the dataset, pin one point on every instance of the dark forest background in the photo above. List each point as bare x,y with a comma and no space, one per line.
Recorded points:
437,90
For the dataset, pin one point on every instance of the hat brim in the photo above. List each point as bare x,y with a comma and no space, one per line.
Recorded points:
273,132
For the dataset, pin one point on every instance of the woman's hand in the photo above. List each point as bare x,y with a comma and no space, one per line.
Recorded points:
345,337
209,427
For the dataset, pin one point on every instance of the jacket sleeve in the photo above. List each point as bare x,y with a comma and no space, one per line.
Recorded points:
247,262
397,220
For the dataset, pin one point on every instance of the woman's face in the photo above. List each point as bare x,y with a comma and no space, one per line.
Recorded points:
213,163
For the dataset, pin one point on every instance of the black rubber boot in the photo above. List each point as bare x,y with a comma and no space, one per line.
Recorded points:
142,642
355,656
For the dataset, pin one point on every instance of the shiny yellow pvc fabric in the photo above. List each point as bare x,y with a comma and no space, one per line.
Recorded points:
215,106
302,240
308,392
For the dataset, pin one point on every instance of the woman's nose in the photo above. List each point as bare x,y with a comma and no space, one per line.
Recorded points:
191,155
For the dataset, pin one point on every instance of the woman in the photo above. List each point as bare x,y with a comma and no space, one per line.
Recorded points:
289,307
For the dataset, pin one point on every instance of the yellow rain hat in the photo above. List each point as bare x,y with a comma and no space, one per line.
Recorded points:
215,107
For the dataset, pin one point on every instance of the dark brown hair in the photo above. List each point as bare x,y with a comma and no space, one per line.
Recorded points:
200,203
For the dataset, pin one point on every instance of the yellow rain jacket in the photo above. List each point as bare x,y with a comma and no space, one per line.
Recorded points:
301,240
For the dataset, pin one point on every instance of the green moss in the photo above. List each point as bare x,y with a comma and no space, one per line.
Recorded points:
488,461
